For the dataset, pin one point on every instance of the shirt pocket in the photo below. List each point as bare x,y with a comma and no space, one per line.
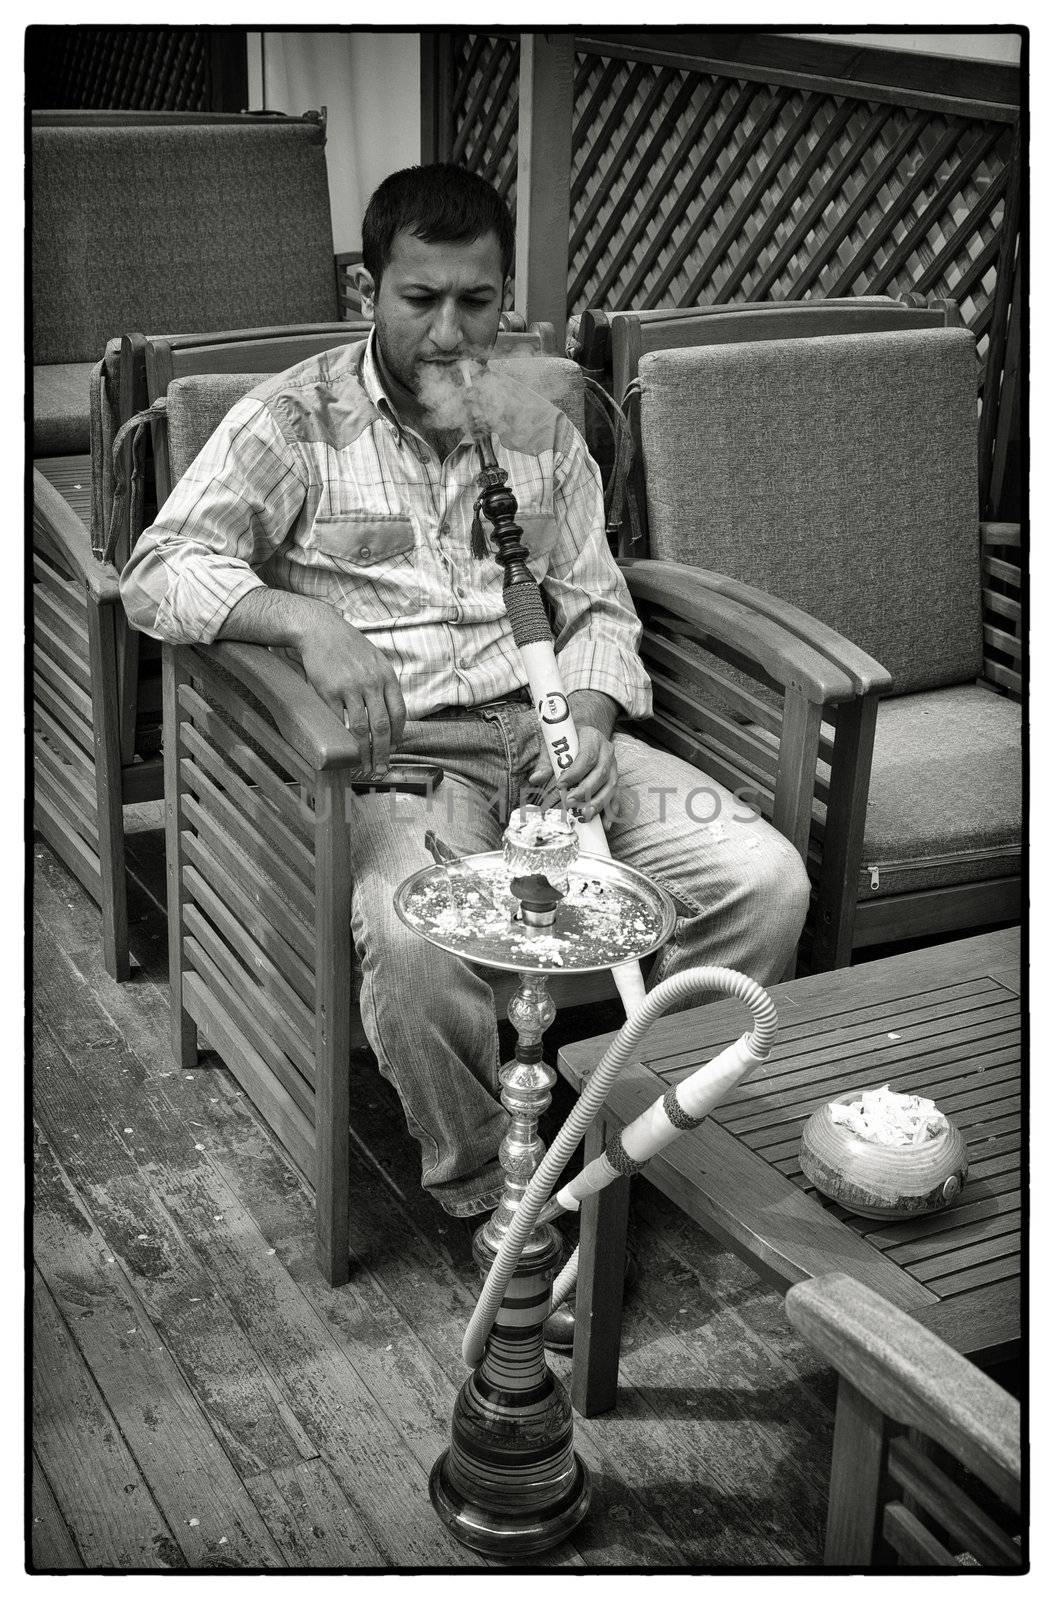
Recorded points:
540,530
372,556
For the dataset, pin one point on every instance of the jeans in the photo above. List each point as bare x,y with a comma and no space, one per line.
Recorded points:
430,1016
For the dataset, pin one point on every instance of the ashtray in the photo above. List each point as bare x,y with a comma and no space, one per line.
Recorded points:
882,1180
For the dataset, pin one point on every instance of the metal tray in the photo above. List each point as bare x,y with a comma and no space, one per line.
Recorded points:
508,948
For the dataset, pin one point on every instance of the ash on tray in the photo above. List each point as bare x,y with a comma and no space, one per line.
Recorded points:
474,912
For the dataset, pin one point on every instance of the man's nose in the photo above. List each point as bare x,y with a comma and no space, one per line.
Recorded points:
446,331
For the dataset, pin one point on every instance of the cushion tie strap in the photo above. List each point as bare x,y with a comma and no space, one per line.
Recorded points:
127,507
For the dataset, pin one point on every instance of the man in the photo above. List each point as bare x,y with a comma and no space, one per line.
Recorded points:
331,514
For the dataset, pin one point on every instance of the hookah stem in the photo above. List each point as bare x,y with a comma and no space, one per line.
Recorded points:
534,640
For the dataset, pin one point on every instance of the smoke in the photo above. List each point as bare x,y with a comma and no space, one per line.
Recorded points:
482,396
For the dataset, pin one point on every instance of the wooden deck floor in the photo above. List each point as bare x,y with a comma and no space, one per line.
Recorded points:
202,1399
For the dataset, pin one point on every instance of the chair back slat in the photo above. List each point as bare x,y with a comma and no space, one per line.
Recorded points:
839,474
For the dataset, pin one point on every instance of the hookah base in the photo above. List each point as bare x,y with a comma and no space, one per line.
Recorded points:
508,1531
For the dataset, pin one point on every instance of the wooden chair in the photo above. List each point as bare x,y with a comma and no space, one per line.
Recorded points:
157,220
97,684
610,344
839,475
259,881
907,1401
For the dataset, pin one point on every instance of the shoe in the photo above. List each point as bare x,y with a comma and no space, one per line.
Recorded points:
558,1330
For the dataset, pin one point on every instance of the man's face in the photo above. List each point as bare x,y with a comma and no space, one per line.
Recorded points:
436,303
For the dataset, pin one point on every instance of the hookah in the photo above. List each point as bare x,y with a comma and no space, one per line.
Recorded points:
510,1483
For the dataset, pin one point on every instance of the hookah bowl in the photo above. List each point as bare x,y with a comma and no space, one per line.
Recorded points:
510,1482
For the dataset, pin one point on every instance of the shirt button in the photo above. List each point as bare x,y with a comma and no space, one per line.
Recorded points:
364,551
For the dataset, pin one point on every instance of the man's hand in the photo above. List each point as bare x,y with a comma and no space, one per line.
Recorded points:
589,782
344,668
357,683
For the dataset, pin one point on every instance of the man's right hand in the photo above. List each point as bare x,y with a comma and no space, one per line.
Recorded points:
357,683
345,669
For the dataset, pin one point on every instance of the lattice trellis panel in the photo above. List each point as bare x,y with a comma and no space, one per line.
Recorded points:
689,189
119,69
484,107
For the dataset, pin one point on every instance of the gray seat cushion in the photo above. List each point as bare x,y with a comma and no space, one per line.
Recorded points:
60,408
945,801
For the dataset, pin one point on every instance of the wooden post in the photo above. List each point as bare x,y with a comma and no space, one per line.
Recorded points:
436,130
543,178
102,656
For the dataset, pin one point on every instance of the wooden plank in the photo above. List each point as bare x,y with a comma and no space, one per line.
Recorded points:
213,857
69,661
543,178
222,890
932,1491
69,847
247,800
105,1500
826,66
315,1374
52,1547
214,805
190,1477
912,1540
282,1115
67,592
220,693
310,1518
989,1316
964,1231
299,1019
64,804
296,816
64,714
207,957
925,912
68,625
62,683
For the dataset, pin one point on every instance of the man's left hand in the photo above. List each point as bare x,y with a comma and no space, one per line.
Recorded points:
589,782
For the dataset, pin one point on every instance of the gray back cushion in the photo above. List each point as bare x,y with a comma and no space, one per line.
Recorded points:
185,229
197,405
838,473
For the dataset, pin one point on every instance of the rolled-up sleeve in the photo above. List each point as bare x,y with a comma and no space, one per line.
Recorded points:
229,513
596,630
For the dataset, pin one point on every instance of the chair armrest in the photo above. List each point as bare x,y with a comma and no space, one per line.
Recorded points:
793,648
299,713
912,1376
306,722
55,517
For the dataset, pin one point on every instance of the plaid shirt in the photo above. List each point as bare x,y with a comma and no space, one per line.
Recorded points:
312,484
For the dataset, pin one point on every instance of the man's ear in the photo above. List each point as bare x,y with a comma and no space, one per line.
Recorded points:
506,294
363,282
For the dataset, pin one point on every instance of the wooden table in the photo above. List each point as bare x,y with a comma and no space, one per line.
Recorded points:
944,1022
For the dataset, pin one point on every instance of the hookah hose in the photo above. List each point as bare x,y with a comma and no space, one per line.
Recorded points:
534,640
683,1106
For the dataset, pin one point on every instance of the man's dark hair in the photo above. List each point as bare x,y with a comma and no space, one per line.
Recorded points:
441,204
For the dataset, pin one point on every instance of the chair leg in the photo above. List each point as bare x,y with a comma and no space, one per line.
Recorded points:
844,835
102,650
598,1297
332,1029
183,1035
856,1474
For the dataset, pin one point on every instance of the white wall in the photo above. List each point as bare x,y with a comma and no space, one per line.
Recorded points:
370,86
